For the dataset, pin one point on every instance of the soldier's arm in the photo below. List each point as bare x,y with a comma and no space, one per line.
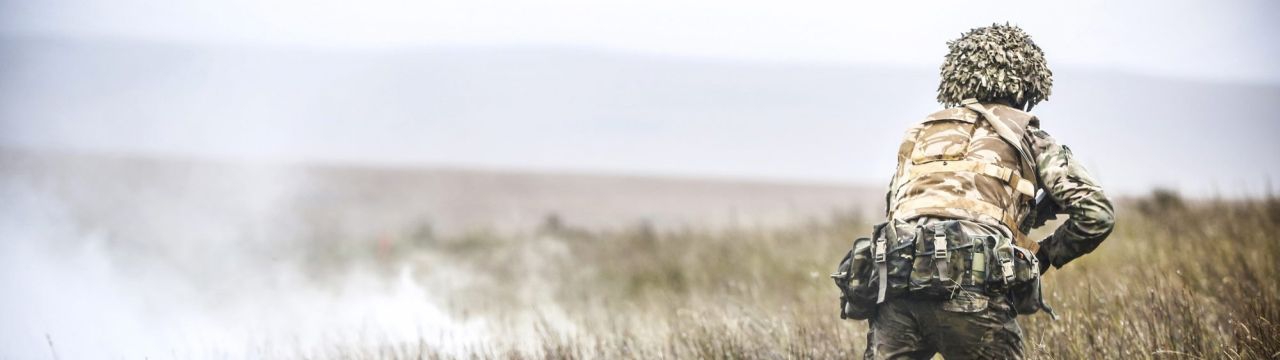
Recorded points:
1066,182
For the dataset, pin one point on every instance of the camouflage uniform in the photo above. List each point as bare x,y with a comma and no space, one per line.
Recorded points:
962,170
965,327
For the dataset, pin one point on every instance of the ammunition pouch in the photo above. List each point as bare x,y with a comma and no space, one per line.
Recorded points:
850,278
1016,276
947,260
1026,291
885,258
935,262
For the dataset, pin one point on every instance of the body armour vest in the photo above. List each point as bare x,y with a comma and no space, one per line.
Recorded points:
971,163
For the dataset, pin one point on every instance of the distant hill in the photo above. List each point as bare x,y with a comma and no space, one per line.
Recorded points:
593,111
155,199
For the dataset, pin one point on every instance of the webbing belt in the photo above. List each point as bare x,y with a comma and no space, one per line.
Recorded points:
1009,176
928,206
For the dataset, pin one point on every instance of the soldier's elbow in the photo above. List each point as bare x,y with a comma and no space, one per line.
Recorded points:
1107,222
1100,219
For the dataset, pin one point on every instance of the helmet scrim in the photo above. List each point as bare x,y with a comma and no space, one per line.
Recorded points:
995,63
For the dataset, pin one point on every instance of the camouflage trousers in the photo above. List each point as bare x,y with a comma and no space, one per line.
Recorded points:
970,326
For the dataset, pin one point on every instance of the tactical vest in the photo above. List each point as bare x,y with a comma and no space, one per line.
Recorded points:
971,163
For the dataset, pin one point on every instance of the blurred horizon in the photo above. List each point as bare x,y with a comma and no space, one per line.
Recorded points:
584,110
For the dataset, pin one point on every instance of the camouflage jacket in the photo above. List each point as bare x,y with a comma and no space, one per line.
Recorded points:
1070,190
1064,184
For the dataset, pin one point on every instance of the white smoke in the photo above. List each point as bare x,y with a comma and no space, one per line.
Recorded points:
205,275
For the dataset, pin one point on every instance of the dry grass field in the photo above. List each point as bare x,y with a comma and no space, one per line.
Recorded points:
1176,280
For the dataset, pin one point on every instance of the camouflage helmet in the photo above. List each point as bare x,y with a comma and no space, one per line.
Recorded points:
995,63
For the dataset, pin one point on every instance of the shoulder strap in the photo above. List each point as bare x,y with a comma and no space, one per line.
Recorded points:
1027,162
1005,133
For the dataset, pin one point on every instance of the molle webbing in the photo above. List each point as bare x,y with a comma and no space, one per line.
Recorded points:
1009,176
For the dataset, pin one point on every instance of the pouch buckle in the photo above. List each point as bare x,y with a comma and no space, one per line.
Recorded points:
940,244
880,250
1035,263
1006,269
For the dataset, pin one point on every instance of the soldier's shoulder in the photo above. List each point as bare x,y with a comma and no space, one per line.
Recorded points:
1013,114
954,113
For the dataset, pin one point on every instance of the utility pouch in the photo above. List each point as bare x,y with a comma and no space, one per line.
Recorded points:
1016,276
1024,287
947,260
850,277
884,258
892,252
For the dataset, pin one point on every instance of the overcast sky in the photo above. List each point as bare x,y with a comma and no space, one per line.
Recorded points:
1215,40
128,82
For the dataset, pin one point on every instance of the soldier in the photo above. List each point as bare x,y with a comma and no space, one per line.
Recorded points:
985,164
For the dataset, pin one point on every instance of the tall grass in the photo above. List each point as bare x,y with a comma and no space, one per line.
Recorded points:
1176,280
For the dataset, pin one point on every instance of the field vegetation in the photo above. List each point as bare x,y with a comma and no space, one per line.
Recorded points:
1177,279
